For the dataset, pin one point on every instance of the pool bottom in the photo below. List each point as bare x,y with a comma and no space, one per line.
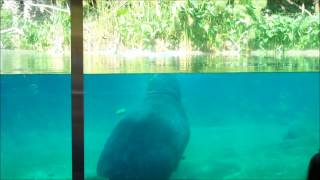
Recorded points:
228,152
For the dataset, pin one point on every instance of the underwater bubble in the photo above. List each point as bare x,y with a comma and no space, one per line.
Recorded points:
34,88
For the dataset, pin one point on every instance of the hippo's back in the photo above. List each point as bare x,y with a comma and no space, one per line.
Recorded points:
140,147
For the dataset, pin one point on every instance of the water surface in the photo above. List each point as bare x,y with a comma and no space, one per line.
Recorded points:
30,62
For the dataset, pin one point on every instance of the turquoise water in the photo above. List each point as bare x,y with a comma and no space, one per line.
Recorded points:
243,125
35,127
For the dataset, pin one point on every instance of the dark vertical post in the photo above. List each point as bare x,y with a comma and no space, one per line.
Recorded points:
77,90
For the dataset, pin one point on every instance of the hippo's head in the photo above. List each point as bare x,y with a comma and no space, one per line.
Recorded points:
164,84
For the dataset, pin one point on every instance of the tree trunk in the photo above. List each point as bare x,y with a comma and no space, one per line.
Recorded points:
290,6
230,3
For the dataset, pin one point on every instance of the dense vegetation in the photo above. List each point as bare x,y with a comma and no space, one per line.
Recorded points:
197,25
35,26
161,25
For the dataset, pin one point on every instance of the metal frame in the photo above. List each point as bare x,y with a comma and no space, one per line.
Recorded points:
77,90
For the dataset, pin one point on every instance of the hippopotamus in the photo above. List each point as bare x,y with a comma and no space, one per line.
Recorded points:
149,142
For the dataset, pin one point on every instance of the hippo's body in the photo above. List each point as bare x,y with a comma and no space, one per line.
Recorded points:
149,143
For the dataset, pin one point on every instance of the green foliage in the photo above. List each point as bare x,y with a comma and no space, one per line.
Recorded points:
165,25
279,32
210,26
52,31
206,25
6,22
131,24
195,20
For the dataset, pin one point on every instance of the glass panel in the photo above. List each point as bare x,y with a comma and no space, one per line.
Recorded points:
35,127
197,36
35,90
242,126
35,37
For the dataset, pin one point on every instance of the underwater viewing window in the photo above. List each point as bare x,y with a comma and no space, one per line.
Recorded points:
35,87
197,90
159,89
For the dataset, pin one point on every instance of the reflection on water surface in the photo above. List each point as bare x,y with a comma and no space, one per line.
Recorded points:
28,62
